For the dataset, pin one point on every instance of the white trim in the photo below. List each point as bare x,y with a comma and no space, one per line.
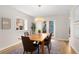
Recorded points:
10,45
64,39
75,49
73,46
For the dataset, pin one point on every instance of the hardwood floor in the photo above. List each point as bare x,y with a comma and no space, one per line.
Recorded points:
8,50
58,47
64,47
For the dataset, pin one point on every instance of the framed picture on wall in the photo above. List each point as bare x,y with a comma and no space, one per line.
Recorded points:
5,23
0,23
19,24
51,26
44,27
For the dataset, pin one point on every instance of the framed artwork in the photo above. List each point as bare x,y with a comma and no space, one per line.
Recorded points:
19,24
51,26
0,23
6,23
44,27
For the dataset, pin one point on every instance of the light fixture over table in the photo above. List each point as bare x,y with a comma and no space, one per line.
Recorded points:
39,19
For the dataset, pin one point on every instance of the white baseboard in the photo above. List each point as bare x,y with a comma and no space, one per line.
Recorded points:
75,50
64,39
73,46
10,45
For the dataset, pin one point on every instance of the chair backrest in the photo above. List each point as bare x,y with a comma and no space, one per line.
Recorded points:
48,39
50,34
27,44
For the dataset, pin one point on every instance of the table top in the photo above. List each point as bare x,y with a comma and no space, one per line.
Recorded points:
38,37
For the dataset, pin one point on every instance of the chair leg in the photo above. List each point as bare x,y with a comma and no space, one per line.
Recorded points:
31,52
48,49
38,49
23,52
50,46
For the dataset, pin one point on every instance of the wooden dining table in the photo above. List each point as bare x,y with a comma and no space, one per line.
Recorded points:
39,38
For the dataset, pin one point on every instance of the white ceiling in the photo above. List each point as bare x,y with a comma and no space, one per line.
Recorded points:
44,10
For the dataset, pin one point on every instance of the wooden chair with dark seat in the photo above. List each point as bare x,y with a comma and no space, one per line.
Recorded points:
28,45
47,42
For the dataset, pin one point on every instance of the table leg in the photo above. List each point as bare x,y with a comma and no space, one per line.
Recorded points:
42,47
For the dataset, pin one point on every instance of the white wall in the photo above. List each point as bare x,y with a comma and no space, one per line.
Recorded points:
8,37
62,27
74,39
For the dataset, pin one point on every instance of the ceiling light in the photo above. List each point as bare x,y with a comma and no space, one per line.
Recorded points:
39,19
39,5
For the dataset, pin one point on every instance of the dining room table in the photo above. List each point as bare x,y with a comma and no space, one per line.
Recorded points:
40,38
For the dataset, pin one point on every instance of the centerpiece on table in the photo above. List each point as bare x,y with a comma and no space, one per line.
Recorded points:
39,32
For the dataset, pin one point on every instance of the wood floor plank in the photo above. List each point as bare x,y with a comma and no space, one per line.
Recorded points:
58,47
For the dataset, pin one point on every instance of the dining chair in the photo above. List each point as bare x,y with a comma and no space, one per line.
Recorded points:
47,42
28,45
